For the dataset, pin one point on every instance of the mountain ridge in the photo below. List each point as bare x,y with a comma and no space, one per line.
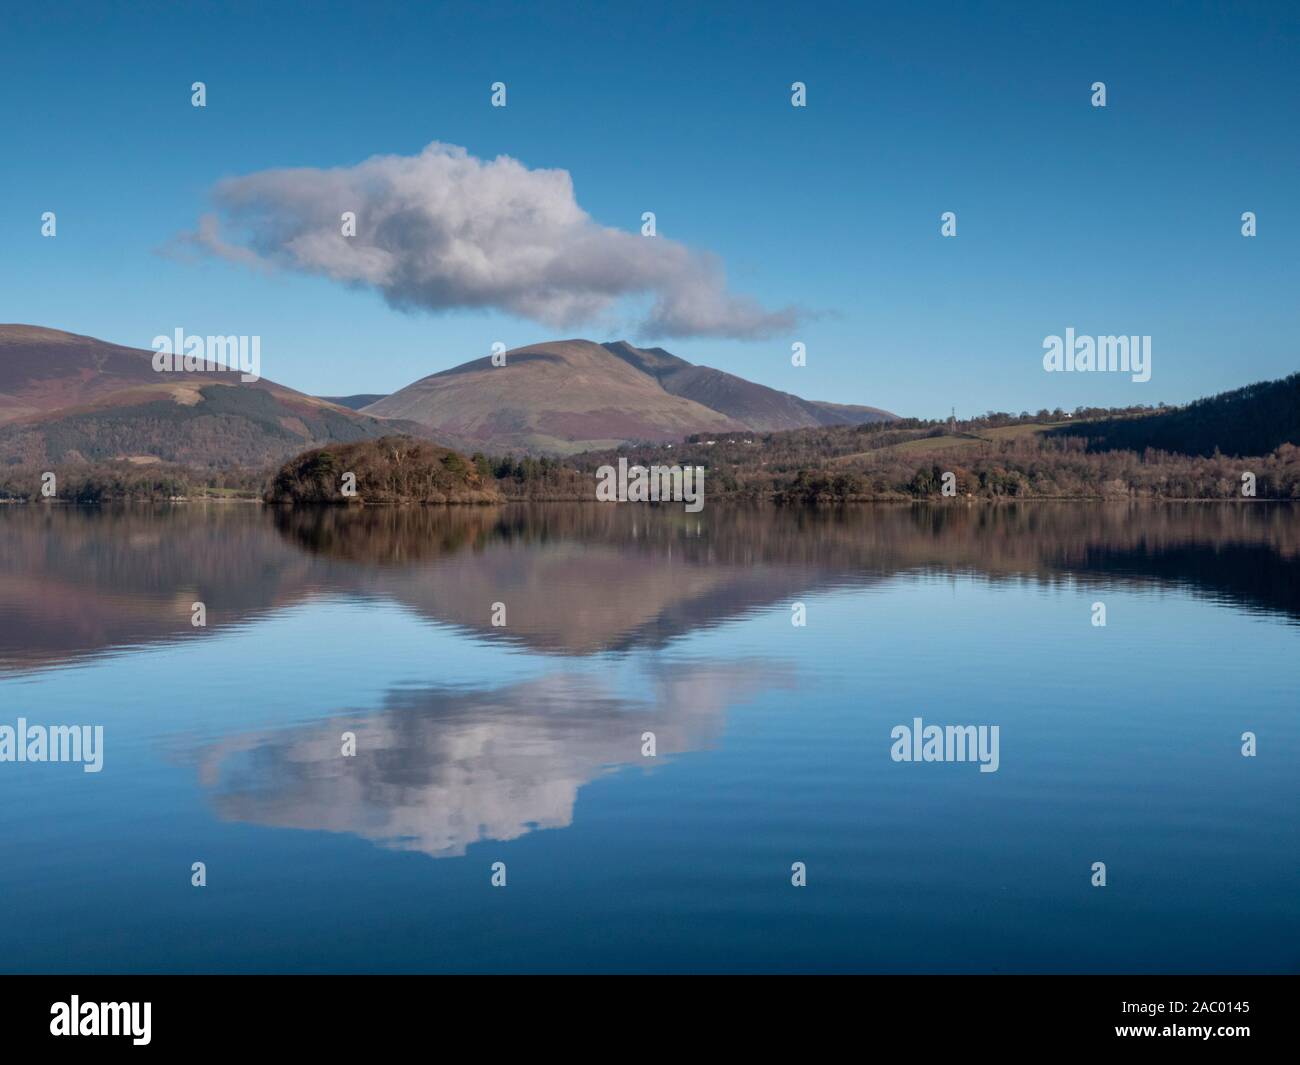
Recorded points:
761,408
575,395
66,397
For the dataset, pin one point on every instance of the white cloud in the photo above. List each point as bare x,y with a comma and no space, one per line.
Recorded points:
443,230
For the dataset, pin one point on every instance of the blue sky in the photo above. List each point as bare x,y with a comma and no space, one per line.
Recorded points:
1119,220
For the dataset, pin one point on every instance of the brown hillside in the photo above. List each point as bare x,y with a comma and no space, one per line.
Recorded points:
66,398
562,396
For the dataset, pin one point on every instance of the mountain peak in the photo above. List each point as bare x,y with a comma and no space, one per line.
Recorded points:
574,395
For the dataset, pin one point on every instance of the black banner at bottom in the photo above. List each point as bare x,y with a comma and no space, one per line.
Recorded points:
339,1014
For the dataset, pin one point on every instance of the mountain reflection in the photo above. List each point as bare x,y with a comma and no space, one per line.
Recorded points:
438,769
582,579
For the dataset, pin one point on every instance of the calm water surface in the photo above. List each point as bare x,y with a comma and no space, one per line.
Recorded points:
522,744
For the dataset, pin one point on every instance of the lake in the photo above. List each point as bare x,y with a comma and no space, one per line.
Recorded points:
502,671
